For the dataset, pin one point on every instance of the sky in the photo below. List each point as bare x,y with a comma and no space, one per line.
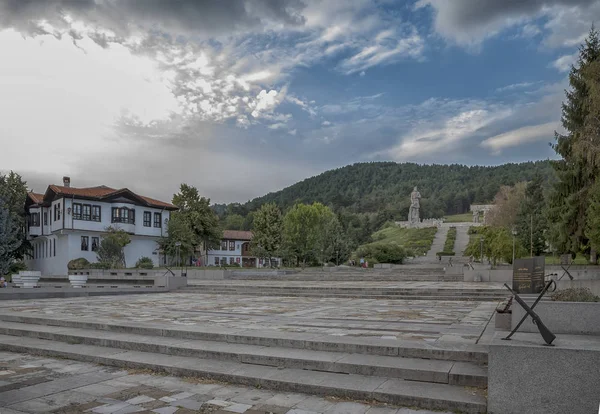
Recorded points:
241,98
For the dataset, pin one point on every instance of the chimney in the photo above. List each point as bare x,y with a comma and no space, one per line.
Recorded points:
67,181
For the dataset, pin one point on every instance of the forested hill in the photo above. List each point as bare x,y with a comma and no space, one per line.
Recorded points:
377,186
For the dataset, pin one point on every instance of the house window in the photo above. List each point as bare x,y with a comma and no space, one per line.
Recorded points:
96,213
123,215
231,260
95,243
231,245
157,219
87,212
223,261
54,246
57,212
216,261
35,219
147,219
223,244
85,243
45,218
77,211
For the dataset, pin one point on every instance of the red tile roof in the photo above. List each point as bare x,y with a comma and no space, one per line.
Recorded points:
237,235
37,198
103,191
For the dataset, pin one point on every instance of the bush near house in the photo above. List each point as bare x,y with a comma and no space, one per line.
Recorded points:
144,263
78,264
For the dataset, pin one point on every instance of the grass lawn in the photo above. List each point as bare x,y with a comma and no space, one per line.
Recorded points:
459,218
555,260
418,240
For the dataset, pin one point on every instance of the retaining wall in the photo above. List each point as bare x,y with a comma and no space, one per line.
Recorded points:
576,318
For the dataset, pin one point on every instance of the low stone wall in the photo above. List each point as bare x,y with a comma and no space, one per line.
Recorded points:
525,377
488,275
593,285
575,318
70,292
207,274
579,272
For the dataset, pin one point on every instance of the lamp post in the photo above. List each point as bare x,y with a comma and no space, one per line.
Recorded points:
514,233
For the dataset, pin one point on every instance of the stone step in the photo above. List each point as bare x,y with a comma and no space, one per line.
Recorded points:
415,369
368,291
200,290
292,340
359,387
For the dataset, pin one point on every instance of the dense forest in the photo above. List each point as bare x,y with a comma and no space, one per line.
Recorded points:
385,187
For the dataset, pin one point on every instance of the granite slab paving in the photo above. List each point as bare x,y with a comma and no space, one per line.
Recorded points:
421,321
118,391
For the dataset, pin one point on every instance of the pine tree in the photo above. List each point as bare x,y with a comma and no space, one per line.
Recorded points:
267,234
569,200
530,222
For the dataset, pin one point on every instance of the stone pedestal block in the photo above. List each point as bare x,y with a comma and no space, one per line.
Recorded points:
503,321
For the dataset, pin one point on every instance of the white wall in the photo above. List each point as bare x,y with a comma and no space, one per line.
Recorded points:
140,247
68,247
106,218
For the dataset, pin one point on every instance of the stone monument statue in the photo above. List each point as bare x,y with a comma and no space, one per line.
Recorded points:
475,216
413,212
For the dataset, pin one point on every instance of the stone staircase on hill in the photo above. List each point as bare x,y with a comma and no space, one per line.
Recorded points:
452,378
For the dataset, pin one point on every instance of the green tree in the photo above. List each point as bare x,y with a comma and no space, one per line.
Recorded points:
179,231
13,193
111,250
10,238
592,230
335,242
195,213
233,222
267,234
303,232
531,223
568,201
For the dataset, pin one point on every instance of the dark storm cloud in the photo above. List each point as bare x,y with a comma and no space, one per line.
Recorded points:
193,17
468,13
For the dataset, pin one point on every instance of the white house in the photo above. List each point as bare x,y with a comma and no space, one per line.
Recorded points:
235,250
67,223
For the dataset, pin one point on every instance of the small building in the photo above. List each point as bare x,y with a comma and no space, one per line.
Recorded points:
235,250
67,223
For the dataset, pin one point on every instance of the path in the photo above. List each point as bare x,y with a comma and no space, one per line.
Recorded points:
462,240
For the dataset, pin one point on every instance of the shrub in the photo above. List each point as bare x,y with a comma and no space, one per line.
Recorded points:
575,295
99,265
144,263
450,239
383,253
445,254
78,264
16,267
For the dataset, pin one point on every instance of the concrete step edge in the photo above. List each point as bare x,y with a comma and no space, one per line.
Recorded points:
385,390
415,369
476,354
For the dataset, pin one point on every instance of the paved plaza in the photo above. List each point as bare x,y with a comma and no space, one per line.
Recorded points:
418,321
30,384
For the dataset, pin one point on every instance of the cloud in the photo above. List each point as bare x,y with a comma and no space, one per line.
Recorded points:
387,47
515,86
520,136
184,17
425,140
469,22
563,63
